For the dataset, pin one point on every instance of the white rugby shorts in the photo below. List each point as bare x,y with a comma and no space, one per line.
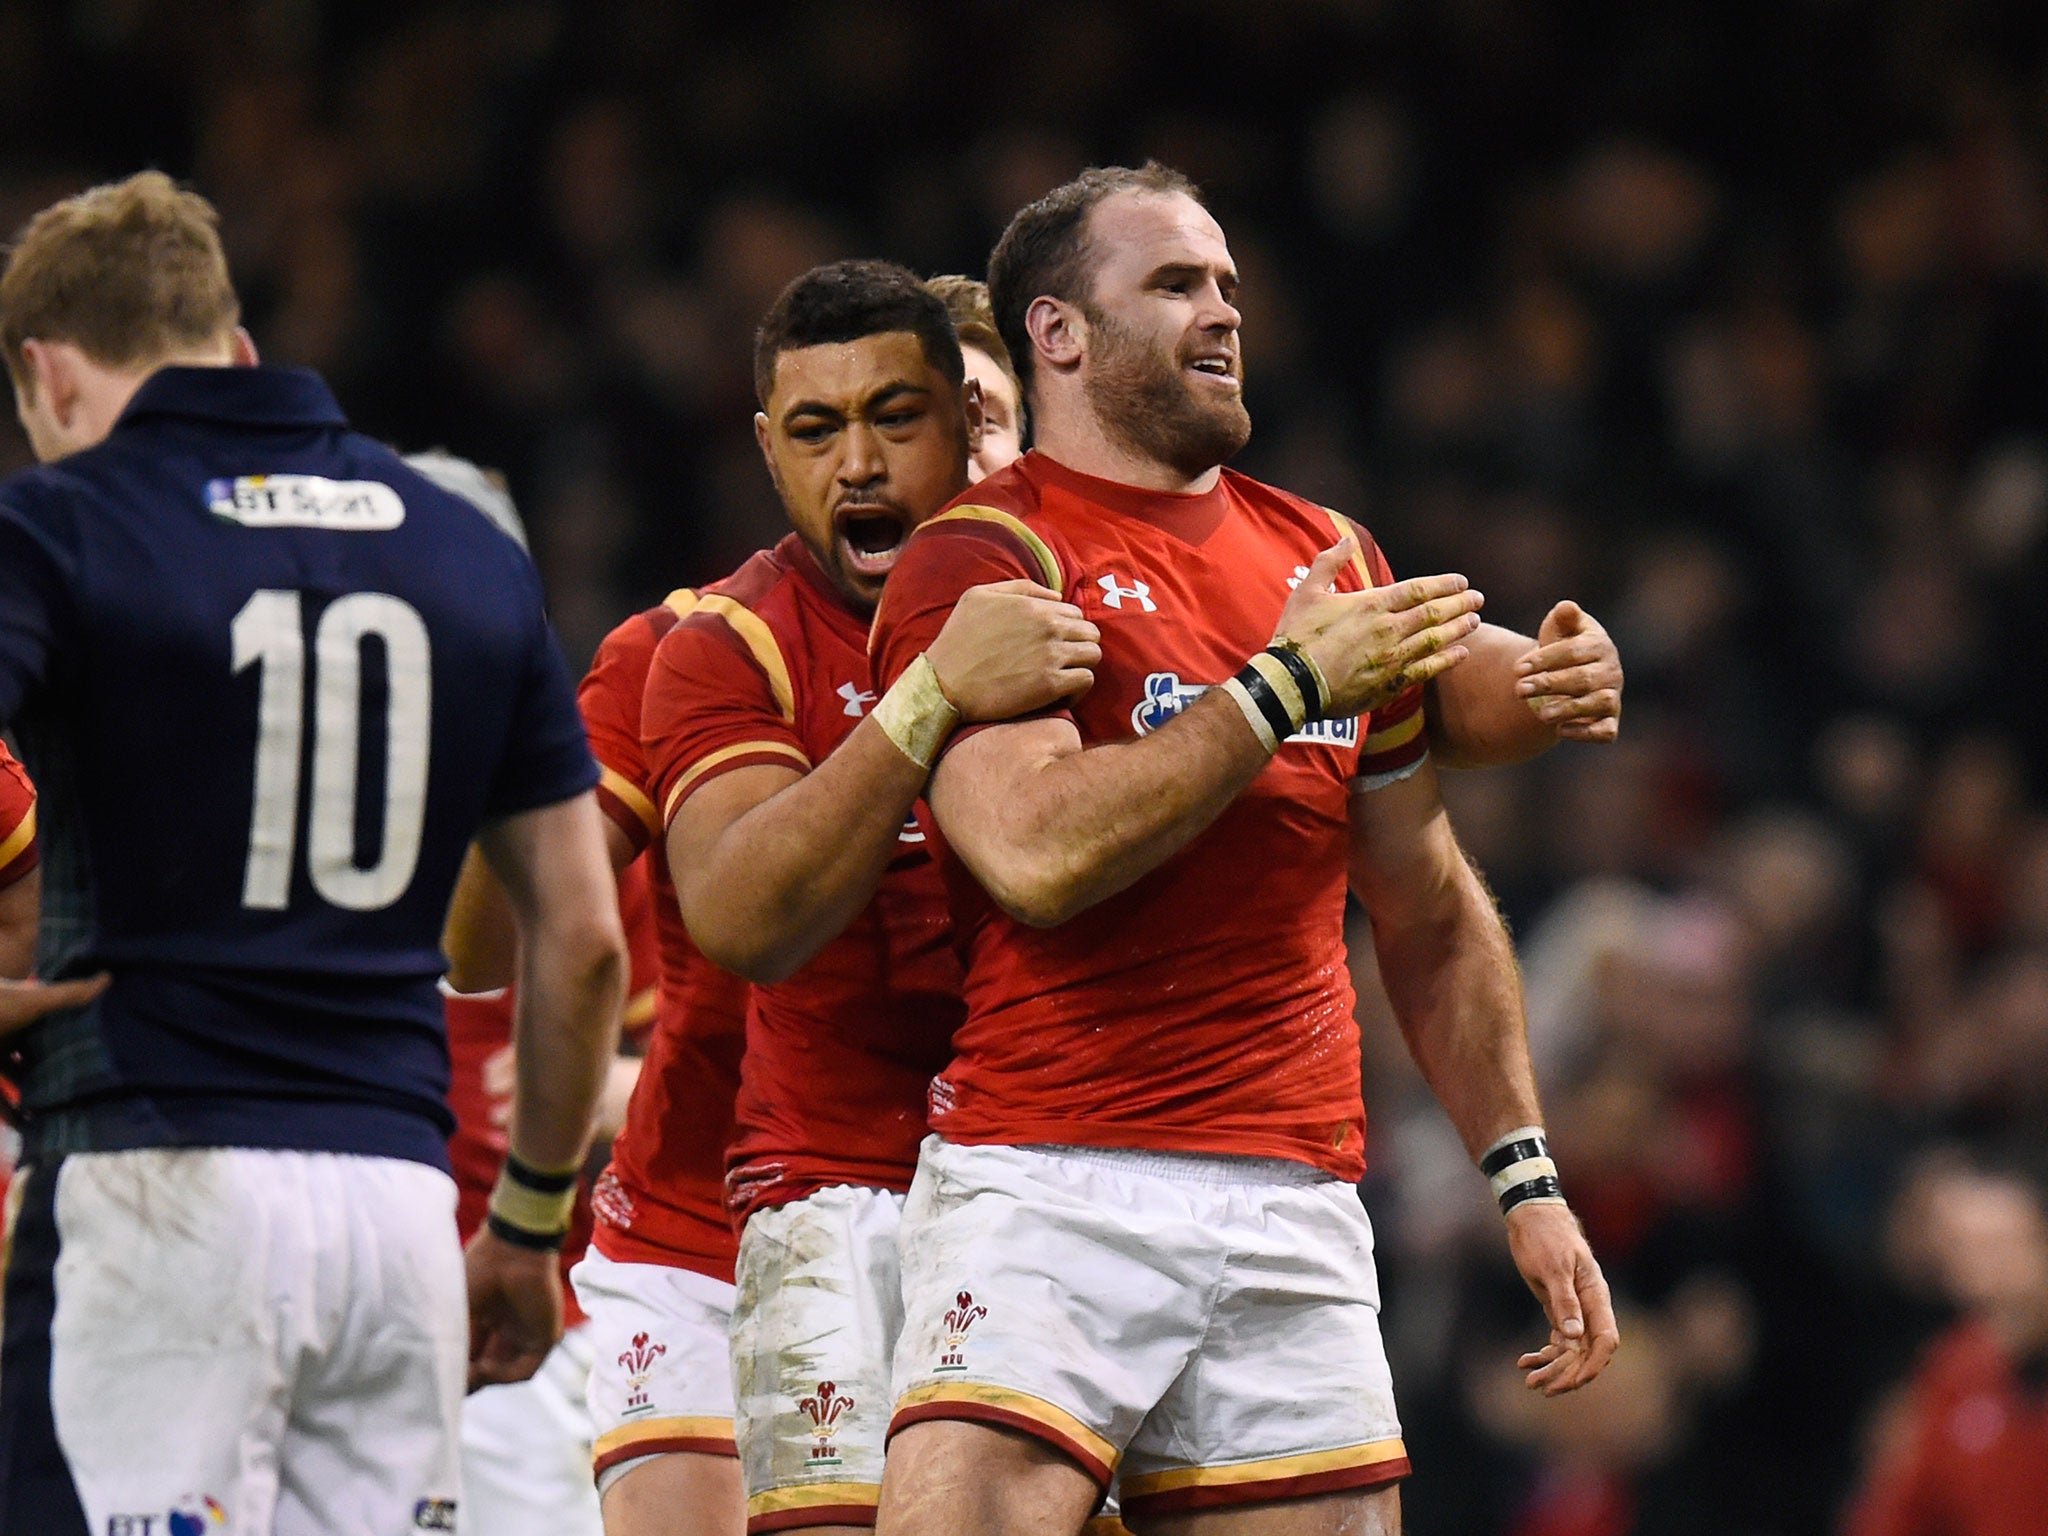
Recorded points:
205,1340
526,1450
660,1379
1206,1328
813,1341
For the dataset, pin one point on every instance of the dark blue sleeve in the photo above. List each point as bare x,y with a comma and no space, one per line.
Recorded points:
34,597
547,756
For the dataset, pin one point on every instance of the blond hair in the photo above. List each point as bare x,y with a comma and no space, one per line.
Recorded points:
130,273
966,300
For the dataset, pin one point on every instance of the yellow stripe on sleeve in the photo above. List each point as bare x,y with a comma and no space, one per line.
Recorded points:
1346,530
1393,736
1048,564
775,1501
682,602
639,1010
711,760
628,794
760,639
23,834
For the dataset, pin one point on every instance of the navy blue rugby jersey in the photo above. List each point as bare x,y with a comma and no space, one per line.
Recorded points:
269,681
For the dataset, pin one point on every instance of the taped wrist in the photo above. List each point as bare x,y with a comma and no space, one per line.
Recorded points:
531,1207
1520,1171
915,713
1279,693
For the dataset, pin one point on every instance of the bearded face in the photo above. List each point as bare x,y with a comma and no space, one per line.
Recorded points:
1177,398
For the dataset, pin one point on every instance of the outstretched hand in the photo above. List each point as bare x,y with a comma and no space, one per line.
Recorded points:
1572,679
1551,1251
24,1002
1374,645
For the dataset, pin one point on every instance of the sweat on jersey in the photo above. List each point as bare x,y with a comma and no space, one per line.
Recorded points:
1208,1007
270,682
771,667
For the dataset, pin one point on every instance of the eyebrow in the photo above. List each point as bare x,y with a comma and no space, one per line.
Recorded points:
1226,276
882,397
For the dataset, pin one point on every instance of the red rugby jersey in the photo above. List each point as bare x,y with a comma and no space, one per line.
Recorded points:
661,1200
480,1026
772,667
1208,1007
18,854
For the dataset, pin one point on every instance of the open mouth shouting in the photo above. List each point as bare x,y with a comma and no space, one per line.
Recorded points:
868,536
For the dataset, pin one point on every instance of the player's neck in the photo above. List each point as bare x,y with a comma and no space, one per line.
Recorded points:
1075,438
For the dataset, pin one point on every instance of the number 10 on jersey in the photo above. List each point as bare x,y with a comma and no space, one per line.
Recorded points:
269,634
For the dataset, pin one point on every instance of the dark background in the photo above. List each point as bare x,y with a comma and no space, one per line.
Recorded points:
1729,320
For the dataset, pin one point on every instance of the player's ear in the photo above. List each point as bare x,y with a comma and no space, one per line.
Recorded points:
767,451
244,353
1058,333
52,377
976,413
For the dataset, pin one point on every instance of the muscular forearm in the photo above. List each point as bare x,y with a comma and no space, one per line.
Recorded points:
565,1029
1451,977
1475,718
1051,830
781,879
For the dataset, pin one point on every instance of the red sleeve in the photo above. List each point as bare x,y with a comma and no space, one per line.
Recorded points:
943,559
609,698
1395,739
710,708
18,852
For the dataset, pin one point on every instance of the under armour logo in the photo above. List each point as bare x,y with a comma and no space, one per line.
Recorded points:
1114,593
857,699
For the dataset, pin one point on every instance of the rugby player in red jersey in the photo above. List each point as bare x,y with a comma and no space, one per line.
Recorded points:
765,678
655,1282
1134,1245
787,789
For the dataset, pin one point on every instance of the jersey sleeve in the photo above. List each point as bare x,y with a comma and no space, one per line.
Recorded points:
1395,742
18,853
610,697
547,757
962,548
713,705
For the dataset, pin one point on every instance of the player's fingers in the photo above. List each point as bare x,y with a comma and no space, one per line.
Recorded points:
1603,1333
1436,637
24,1002
1416,673
1600,704
1072,682
1439,611
1418,590
1567,618
1024,586
1077,653
1075,628
1324,569
1599,731
1566,682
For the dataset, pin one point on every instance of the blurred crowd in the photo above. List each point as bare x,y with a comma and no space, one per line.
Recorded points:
1729,321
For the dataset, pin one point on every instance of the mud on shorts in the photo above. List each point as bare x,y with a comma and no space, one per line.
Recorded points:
813,1344
660,1381
1205,1328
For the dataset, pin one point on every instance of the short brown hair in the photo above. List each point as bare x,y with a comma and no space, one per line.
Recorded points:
1044,252
966,300
127,272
